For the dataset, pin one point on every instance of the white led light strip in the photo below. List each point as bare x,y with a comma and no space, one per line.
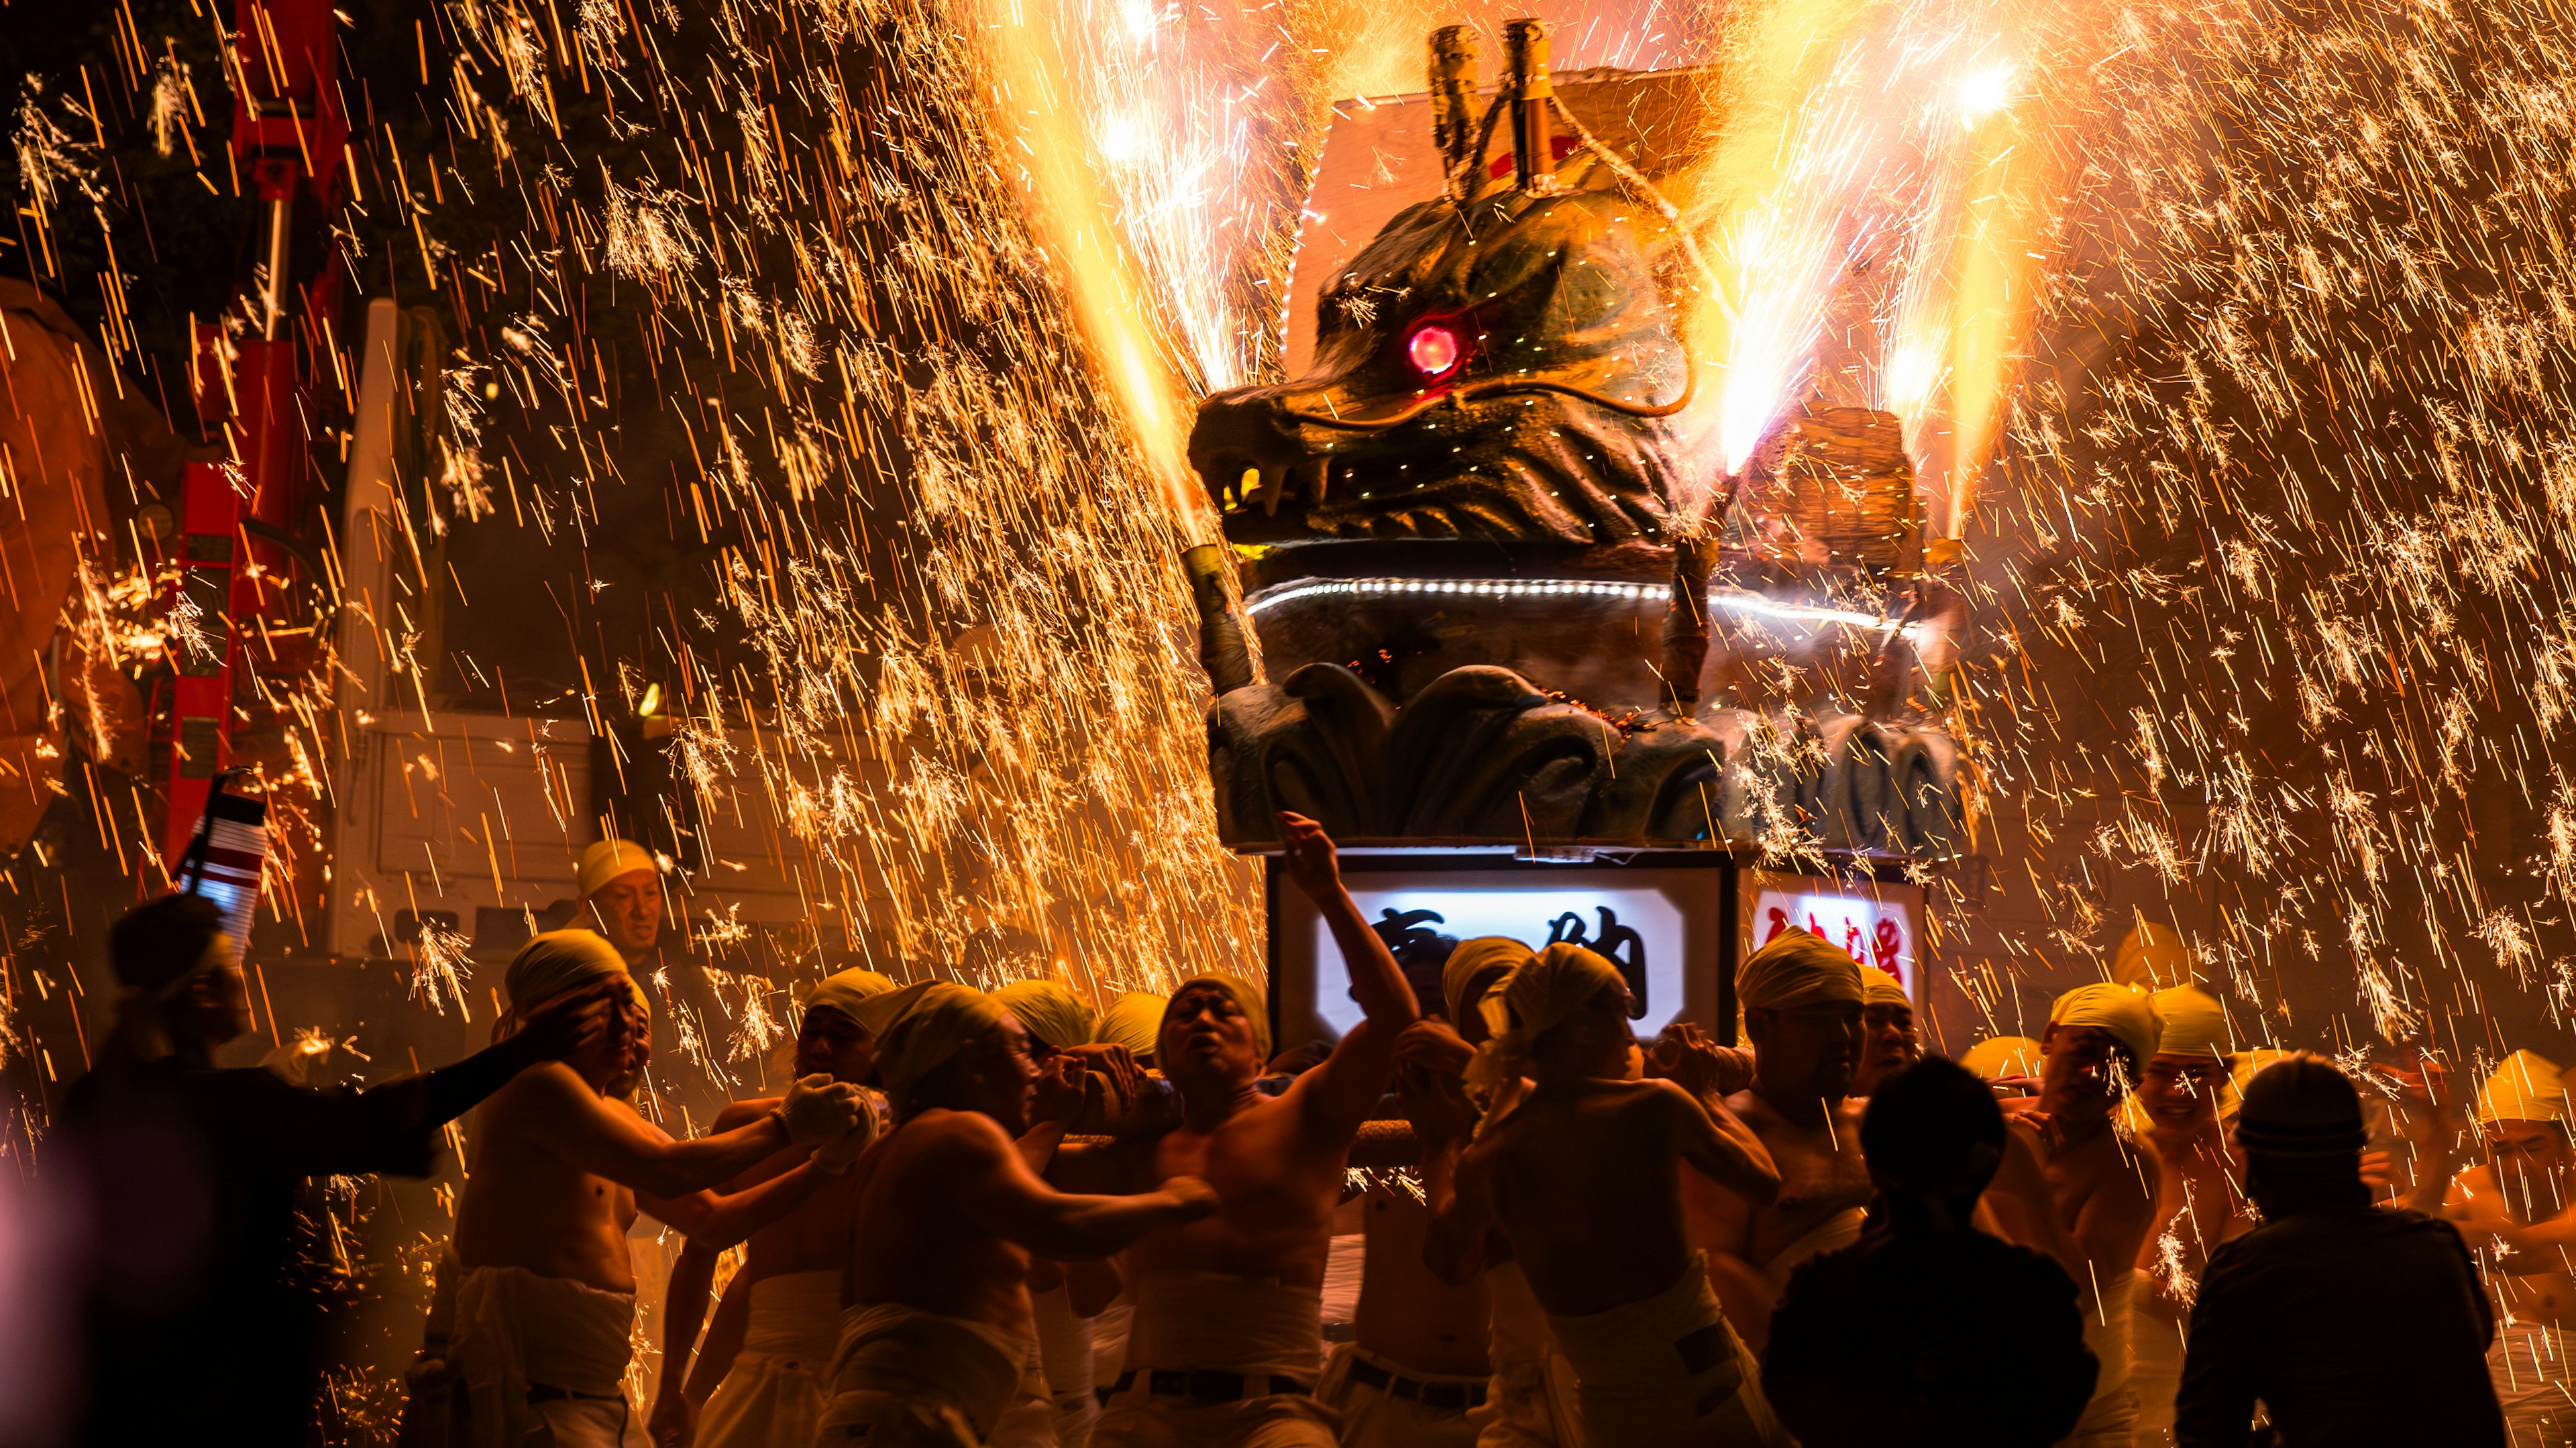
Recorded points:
1731,600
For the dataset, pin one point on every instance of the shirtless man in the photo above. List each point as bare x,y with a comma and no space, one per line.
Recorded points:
1417,1364
2200,1193
937,1342
2515,1211
1803,1009
1582,1179
2103,1187
1226,1344
760,1379
1888,1043
559,1164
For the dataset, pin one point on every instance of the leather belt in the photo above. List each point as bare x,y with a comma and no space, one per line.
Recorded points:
1454,1397
1206,1385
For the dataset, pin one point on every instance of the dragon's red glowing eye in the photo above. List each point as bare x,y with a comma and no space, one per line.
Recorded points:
1433,350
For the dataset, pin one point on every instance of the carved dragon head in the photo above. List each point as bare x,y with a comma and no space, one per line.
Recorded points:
1504,367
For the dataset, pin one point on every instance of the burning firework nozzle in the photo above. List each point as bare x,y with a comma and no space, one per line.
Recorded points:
1686,621
1531,92
1226,648
1453,87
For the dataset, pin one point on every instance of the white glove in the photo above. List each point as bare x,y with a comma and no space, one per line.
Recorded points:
819,1110
836,1157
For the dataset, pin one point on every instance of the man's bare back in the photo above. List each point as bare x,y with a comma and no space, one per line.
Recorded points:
925,1245
1591,1170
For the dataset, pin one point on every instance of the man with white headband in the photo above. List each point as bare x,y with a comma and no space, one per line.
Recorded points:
194,1329
2200,1195
1226,1344
937,1341
759,1382
1804,1011
1583,1180
560,1164
2515,1209
2099,1040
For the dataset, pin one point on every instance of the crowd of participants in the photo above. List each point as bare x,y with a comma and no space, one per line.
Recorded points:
1000,1218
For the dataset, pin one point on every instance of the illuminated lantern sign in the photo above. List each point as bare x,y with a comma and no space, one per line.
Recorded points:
1675,925
1664,927
1875,924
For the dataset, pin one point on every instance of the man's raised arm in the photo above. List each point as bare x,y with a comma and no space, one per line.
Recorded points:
567,1117
998,1193
1724,1149
1352,1079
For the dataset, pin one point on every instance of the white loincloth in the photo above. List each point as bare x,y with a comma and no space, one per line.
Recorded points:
904,1378
1064,1352
1109,1339
1029,1422
1211,1322
2110,1419
2155,1377
542,1359
1667,1372
1530,1401
773,1396
2532,1375
1830,1235
1379,1417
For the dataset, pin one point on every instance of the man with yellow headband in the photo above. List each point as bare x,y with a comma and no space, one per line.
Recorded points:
621,897
2200,1193
936,1343
1227,1343
1804,1010
1583,1180
194,1329
2516,1212
1888,1042
559,1166
758,1383
2098,1042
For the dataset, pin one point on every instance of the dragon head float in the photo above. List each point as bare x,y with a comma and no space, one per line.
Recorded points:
1487,496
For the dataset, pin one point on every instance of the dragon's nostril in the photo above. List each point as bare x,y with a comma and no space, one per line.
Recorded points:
1433,350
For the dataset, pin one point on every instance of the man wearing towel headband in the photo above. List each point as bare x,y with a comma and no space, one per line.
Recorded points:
759,1381
1804,1010
2515,1209
560,1165
1583,1180
1888,1042
1227,1340
2099,1040
195,1329
937,1342
2200,1198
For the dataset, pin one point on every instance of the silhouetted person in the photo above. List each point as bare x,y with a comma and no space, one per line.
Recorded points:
1928,1331
2355,1325
197,1330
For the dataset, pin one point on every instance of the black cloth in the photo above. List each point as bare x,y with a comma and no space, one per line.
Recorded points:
2355,1325
1928,1338
201,1325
